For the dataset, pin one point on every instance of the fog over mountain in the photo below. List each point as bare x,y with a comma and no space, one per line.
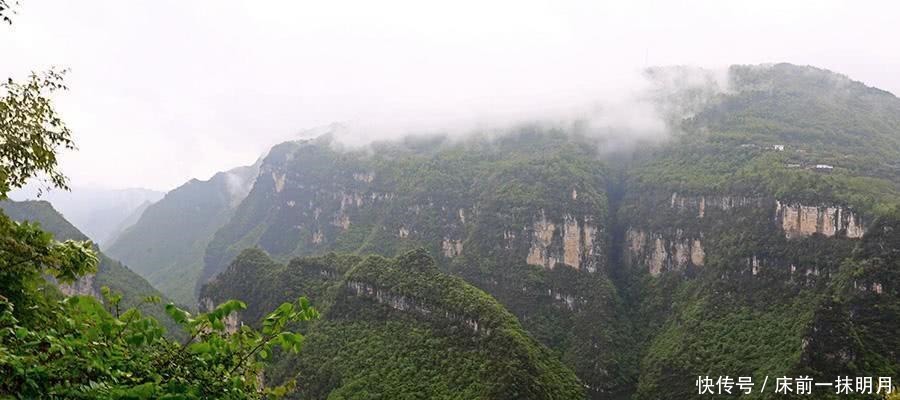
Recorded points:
168,91
99,213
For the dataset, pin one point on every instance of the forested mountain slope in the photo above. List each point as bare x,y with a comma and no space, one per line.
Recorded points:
530,227
166,245
747,242
395,328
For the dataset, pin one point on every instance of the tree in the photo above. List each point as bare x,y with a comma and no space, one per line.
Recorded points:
92,351
31,132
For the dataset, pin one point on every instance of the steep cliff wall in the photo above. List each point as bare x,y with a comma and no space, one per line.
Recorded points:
571,243
84,286
799,220
660,253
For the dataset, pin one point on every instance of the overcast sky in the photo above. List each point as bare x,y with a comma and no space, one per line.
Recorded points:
164,91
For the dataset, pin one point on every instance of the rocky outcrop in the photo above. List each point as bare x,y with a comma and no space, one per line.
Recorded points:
698,205
576,247
798,220
232,321
366,177
351,199
659,253
568,300
541,239
84,286
341,220
451,248
571,242
279,181
318,237
415,306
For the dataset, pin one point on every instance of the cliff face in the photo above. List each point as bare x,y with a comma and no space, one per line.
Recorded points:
660,253
676,250
570,243
798,220
702,265
84,286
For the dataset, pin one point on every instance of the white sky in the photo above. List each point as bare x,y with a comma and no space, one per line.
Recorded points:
163,91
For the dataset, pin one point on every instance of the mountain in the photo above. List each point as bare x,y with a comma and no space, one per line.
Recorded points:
748,243
528,227
758,239
395,328
97,212
167,243
110,273
129,221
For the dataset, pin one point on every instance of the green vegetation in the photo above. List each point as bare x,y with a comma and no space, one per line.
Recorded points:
808,307
31,131
436,192
110,273
819,117
397,328
83,350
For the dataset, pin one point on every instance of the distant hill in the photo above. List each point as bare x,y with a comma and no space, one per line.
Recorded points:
128,222
99,213
167,243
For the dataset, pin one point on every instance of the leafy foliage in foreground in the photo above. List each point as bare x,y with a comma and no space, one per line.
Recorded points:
78,347
110,273
84,351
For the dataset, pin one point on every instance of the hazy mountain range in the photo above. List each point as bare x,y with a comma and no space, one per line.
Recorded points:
100,213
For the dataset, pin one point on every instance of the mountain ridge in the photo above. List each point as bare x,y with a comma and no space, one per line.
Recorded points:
759,211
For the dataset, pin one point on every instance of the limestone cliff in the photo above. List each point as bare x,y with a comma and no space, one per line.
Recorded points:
659,253
799,220
570,243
